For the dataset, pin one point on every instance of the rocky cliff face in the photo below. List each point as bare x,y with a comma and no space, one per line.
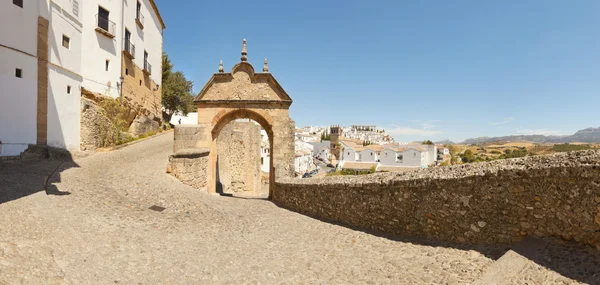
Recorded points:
97,123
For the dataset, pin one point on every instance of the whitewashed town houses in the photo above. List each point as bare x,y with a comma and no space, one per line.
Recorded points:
51,49
389,157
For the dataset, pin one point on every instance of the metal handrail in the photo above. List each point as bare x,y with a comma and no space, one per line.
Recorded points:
129,47
147,66
105,24
140,17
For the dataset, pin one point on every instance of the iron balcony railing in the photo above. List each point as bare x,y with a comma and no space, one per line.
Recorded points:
129,48
139,18
147,67
105,25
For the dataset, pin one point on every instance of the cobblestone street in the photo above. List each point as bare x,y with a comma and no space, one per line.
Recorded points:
92,225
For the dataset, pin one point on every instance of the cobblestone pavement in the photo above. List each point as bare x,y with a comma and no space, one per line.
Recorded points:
94,227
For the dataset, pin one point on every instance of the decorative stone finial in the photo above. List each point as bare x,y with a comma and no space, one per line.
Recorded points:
221,67
266,66
244,53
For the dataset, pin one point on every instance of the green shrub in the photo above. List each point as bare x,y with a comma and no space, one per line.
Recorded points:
570,147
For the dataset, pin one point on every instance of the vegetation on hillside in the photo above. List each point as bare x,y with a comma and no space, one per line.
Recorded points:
427,142
176,91
570,147
113,129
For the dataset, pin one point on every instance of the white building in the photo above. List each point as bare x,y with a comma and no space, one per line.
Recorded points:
321,150
265,152
358,157
189,119
303,160
50,49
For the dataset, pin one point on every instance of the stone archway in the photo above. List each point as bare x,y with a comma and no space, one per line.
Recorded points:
244,93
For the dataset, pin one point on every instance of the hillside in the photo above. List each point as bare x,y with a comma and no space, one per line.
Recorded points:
589,135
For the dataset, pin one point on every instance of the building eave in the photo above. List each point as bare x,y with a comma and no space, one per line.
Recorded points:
162,23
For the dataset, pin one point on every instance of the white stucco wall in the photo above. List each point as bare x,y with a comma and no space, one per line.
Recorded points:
18,101
149,38
387,157
189,119
19,25
368,155
97,48
63,109
412,158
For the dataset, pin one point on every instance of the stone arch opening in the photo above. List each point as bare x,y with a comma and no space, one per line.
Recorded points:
222,121
245,93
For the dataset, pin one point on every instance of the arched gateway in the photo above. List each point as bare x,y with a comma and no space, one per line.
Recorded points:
244,93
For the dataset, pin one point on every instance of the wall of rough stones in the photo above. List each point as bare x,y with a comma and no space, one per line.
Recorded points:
139,120
238,158
187,136
189,166
495,202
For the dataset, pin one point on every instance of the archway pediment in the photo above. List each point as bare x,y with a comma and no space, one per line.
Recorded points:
243,84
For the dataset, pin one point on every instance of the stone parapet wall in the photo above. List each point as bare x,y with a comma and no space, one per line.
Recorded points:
187,136
497,202
189,166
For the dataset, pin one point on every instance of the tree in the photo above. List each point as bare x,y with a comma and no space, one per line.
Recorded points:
428,142
176,91
468,156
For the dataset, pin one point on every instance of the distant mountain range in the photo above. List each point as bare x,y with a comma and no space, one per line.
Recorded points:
589,135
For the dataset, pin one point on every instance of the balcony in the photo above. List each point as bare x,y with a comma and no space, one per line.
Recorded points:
139,19
129,48
147,67
105,26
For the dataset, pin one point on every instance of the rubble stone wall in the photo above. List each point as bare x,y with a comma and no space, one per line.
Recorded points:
186,136
493,203
189,166
238,158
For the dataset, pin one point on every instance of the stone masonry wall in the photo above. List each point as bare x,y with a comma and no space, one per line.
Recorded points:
187,136
189,166
238,158
140,91
495,202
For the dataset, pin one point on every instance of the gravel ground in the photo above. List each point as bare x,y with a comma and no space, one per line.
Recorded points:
94,227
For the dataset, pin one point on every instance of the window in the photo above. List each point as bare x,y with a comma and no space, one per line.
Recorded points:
400,157
262,162
19,73
66,41
107,63
140,82
68,89
103,18
138,8
76,8
18,3
126,71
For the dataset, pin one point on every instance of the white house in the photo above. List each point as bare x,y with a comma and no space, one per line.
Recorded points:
265,152
19,74
321,149
50,49
189,119
408,156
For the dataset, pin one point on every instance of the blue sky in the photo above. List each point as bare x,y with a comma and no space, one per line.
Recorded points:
419,69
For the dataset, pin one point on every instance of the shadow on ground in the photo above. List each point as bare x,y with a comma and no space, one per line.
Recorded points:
567,258
31,173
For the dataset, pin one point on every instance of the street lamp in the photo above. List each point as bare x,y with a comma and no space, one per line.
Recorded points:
121,86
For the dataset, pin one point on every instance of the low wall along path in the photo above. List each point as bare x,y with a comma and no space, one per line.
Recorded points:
496,202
